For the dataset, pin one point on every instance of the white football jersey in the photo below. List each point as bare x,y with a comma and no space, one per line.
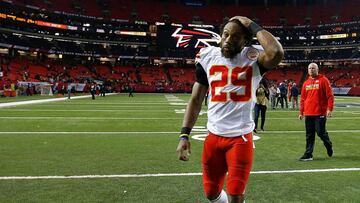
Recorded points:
232,86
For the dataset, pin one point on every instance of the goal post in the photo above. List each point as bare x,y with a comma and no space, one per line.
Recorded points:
46,90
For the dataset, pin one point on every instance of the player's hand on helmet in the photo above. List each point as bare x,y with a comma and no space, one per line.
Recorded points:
183,150
243,20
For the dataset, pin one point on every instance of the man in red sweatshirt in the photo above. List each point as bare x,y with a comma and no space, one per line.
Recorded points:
316,103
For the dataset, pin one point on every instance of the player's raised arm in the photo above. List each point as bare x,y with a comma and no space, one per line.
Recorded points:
192,111
273,51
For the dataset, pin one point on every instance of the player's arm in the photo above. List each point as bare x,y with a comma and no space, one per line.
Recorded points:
329,96
194,107
191,114
192,111
273,51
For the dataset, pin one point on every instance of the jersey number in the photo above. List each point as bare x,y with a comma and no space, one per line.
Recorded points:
231,76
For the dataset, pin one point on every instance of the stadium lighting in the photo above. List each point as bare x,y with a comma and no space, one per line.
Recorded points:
4,51
60,56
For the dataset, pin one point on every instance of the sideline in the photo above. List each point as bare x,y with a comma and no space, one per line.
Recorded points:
169,174
9,104
151,132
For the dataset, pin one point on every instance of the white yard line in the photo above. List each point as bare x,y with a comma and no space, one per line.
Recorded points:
138,118
86,110
154,132
178,104
332,118
88,133
129,110
84,118
297,111
173,98
9,104
132,104
303,131
169,174
95,105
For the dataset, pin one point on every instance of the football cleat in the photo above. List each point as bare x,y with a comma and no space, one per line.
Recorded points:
306,157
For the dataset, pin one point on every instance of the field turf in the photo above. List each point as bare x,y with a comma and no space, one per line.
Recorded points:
132,142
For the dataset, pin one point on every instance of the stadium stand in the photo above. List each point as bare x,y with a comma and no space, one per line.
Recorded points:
181,13
127,44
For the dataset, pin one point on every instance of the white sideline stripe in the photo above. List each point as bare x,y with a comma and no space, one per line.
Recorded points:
332,118
303,131
87,110
9,104
89,118
126,110
138,118
89,133
178,103
94,105
115,104
170,132
297,111
168,174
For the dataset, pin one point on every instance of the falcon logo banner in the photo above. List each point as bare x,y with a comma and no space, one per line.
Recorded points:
204,37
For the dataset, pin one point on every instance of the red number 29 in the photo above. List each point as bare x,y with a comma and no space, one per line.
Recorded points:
238,76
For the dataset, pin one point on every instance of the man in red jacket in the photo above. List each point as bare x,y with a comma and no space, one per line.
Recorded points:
316,103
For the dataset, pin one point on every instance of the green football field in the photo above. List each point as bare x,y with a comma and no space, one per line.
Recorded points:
121,149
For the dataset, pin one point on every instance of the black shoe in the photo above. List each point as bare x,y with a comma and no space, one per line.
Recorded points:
306,157
329,151
262,129
254,131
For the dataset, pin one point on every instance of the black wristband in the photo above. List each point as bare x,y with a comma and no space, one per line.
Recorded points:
184,138
185,130
254,28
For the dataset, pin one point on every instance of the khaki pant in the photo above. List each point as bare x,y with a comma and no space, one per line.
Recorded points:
294,102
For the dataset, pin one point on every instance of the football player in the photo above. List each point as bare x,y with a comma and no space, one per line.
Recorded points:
232,73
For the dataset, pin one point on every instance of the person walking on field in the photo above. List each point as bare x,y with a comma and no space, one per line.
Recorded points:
294,96
316,104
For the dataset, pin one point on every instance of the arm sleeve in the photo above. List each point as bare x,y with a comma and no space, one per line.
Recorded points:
201,76
302,99
329,95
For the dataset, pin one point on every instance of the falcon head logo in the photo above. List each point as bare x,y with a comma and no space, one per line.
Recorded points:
204,37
